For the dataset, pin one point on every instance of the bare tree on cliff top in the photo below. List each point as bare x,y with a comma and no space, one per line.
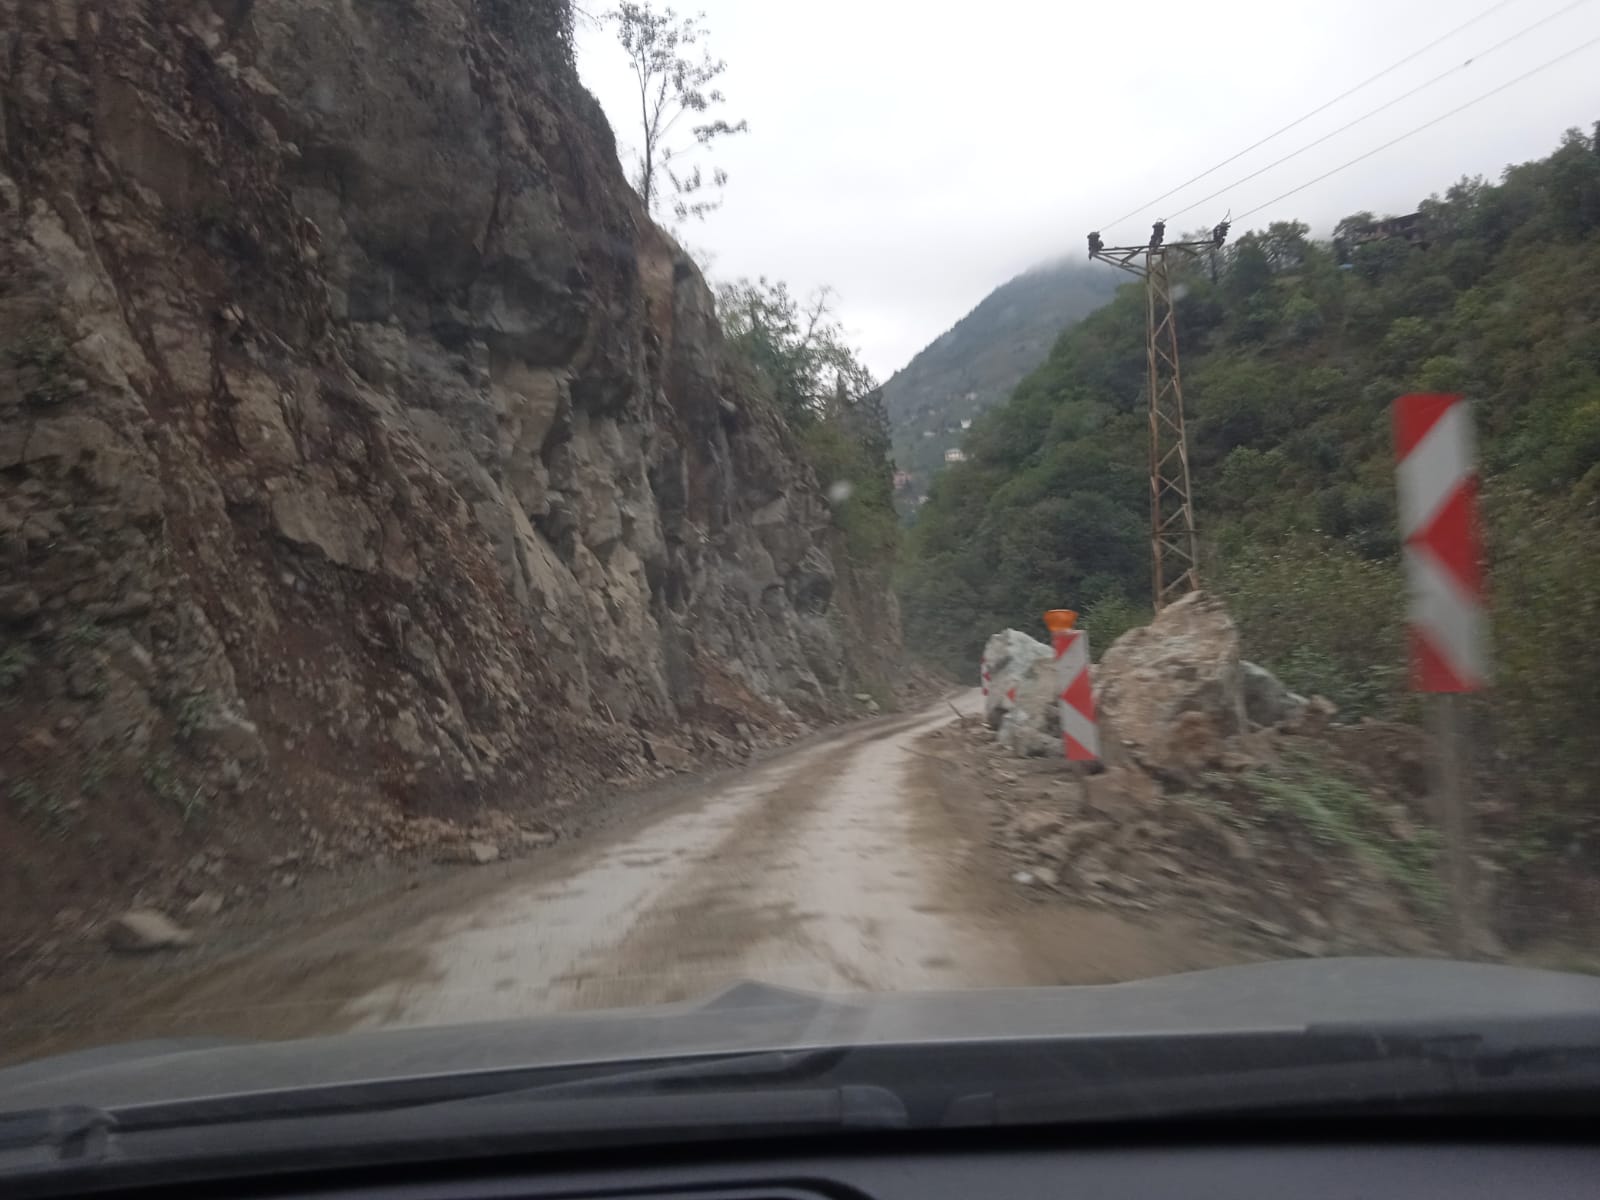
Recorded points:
662,50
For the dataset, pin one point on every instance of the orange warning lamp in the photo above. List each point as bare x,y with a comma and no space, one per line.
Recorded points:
1060,620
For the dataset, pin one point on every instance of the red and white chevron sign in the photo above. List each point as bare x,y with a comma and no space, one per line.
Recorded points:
1443,551
1080,734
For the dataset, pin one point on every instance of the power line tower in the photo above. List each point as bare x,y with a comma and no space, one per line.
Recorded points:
1174,551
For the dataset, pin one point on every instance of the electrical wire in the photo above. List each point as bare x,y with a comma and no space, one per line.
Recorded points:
1395,66
1506,41
1545,66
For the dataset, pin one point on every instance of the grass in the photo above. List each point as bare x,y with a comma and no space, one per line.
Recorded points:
161,777
1221,810
82,634
42,348
25,795
882,694
1338,813
44,354
46,807
192,712
1540,835
94,774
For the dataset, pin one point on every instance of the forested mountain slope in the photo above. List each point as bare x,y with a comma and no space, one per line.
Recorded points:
975,364
1291,363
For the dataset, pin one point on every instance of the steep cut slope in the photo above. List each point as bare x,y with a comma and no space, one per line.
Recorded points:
361,440
977,362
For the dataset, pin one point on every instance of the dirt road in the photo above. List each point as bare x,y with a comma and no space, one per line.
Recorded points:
839,867
815,871
850,863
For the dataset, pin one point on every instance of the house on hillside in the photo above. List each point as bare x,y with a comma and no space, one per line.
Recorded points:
902,480
955,454
1411,229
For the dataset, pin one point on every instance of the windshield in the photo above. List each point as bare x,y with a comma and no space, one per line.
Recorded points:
516,510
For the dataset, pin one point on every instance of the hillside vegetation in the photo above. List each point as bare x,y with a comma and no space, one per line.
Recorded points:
794,354
975,364
1291,363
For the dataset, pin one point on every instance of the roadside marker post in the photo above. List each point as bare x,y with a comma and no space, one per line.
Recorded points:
1080,732
1442,552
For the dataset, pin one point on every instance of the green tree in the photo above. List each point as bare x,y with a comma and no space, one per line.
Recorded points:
827,395
1575,185
1249,270
1302,318
1285,244
536,25
1291,366
797,346
674,74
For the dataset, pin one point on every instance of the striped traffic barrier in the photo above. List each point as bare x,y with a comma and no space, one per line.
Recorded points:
1448,620
1080,730
1443,551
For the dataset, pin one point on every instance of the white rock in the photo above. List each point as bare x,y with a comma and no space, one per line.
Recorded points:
1009,656
1153,678
142,930
206,904
1266,700
476,854
1022,701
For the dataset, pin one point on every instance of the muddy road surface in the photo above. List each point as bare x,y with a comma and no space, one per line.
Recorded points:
842,865
815,871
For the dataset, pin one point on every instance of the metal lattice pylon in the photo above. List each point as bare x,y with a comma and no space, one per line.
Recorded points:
1174,546
1175,557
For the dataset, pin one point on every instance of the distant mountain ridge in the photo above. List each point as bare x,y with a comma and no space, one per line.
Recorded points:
977,362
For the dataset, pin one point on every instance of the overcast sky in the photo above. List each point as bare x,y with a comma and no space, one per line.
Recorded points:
914,154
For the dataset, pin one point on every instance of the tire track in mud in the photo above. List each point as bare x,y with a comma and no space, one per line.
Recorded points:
665,914
680,948
833,882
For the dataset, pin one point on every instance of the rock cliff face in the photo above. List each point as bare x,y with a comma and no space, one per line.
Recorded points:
361,438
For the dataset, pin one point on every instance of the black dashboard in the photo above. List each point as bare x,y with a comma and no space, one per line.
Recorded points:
1457,1169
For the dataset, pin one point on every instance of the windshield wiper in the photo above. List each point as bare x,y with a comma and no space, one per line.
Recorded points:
1354,1070
45,1137
717,1098
726,1071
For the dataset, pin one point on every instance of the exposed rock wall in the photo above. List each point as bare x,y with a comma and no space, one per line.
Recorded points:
360,435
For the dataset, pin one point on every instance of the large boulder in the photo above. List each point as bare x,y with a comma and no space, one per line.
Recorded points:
143,930
1267,701
1008,656
1021,704
1151,679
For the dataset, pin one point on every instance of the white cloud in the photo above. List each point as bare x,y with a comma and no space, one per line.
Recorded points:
913,156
